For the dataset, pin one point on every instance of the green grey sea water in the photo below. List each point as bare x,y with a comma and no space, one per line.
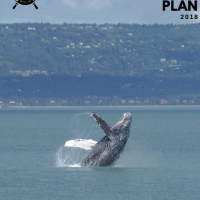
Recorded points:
160,161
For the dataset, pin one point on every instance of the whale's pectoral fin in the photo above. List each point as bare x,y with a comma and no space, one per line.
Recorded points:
102,123
80,143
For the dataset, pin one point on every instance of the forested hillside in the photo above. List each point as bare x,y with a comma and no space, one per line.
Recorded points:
90,64
107,49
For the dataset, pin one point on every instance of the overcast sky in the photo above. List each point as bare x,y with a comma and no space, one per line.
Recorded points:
93,11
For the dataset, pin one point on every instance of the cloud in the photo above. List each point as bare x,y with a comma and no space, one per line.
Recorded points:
90,4
94,11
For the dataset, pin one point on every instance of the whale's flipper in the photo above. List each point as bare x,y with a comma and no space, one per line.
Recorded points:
104,126
107,151
80,143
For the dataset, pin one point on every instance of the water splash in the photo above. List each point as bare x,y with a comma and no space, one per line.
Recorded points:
69,157
81,126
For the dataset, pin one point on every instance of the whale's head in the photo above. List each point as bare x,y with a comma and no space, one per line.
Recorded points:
122,128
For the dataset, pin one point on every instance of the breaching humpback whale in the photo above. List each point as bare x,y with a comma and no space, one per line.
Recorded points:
106,152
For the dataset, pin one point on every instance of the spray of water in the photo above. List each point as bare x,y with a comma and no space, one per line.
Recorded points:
137,156
81,127
69,157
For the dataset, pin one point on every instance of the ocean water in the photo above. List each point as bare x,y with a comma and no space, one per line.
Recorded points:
161,160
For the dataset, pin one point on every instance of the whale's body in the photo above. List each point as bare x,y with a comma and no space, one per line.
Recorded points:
106,152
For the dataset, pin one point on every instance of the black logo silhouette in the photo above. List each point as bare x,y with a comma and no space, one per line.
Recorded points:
25,2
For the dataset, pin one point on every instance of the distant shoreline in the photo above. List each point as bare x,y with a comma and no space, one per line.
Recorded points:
136,107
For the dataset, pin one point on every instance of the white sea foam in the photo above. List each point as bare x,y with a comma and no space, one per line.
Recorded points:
75,165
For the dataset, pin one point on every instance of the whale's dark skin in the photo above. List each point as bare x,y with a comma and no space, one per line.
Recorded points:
106,152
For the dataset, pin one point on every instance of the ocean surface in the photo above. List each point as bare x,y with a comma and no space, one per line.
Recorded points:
161,160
